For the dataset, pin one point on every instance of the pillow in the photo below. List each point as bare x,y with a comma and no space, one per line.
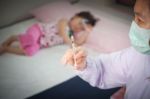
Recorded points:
54,11
109,36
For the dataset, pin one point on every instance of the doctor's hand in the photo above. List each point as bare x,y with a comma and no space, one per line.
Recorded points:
80,58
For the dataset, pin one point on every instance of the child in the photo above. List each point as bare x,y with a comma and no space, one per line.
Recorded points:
40,36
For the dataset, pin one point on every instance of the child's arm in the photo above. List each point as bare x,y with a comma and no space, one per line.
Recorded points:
62,24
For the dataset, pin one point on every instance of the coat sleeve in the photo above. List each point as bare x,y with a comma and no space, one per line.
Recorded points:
106,70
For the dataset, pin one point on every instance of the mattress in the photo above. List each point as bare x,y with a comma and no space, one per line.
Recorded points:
23,76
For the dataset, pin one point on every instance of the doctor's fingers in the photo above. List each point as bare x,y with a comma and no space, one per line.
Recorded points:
67,56
80,60
80,54
70,62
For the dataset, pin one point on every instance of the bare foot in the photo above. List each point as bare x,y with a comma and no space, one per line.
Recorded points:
2,50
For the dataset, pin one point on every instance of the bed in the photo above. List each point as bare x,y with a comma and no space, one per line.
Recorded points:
22,76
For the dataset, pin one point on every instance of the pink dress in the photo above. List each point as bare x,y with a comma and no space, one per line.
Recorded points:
39,36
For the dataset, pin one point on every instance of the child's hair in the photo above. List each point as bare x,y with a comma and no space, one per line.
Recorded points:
87,16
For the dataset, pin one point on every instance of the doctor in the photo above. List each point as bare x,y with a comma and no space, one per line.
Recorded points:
129,67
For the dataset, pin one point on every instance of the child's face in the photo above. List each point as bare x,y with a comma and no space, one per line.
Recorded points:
76,24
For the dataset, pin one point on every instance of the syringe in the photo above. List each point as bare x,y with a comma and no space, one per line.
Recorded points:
74,50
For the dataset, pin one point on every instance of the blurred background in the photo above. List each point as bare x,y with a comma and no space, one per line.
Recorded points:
15,10
22,77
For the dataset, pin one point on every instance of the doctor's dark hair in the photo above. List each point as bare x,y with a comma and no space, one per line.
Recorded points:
149,4
90,19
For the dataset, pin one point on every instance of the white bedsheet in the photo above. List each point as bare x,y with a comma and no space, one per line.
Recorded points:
22,76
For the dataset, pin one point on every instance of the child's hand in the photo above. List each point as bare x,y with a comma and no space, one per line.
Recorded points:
62,25
63,21
80,56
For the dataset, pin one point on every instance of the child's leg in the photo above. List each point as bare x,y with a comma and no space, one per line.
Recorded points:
2,50
14,50
10,40
11,49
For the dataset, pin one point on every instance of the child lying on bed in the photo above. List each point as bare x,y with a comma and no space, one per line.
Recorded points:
40,35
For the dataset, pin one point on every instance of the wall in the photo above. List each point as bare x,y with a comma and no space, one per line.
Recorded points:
13,10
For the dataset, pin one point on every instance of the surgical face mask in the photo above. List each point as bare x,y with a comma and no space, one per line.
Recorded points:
140,38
